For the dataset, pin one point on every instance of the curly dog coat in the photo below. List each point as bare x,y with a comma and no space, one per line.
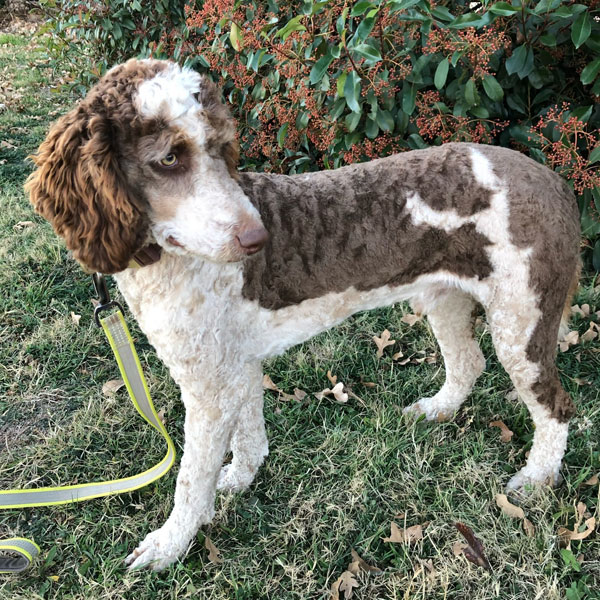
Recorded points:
149,157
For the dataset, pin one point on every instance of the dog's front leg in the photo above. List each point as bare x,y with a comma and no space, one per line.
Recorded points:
208,428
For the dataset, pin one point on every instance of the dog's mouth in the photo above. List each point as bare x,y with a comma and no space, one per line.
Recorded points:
245,243
175,242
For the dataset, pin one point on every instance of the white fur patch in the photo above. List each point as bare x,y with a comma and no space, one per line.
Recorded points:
170,93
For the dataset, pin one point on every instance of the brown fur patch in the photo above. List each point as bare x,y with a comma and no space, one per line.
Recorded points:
543,217
221,136
348,227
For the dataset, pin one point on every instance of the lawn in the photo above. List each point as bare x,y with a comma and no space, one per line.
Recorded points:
338,474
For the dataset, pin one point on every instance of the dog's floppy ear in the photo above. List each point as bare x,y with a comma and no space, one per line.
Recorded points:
80,188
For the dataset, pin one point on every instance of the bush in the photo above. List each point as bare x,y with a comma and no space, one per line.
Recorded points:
316,84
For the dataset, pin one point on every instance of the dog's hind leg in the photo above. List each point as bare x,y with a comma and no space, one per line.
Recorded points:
249,442
451,317
525,342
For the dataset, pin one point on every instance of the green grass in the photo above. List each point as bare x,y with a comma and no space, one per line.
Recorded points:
337,474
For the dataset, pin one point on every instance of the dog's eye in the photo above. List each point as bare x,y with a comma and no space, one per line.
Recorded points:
197,97
170,160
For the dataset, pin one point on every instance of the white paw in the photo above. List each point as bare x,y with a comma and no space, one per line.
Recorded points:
528,479
432,408
234,480
158,550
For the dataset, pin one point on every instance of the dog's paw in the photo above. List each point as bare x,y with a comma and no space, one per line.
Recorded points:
431,408
523,481
158,550
234,480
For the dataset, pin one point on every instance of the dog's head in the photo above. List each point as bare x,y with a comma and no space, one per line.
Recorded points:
150,153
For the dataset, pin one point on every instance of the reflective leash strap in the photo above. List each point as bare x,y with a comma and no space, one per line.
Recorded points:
122,345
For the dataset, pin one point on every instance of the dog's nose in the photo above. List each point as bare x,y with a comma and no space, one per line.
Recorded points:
253,240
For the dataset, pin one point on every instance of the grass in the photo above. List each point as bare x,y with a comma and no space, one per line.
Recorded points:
337,474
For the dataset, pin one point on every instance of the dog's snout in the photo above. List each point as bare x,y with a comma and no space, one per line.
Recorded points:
252,240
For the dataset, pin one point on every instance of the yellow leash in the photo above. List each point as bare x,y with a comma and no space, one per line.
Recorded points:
21,550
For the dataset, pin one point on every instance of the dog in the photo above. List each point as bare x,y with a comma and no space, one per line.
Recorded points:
241,266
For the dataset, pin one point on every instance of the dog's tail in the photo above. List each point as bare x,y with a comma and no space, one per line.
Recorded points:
566,314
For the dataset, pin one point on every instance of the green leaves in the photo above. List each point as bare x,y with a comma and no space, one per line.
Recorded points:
492,88
441,74
352,91
504,9
320,68
581,29
521,62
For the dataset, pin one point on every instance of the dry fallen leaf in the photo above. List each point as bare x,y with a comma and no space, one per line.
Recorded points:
382,342
515,512
213,551
112,387
23,225
161,415
345,583
427,567
359,564
411,319
338,392
458,547
332,378
593,480
404,536
571,339
528,527
591,333
75,319
7,145
505,433
566,536
268,384
474,551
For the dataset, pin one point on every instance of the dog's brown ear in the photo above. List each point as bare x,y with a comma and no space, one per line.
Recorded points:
80,188
222,124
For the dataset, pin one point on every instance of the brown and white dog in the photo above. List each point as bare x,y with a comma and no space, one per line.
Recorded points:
149,157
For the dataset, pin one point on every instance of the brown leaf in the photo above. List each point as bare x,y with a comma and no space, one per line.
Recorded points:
332,378
566,536
337,391
410,319
23,225
590,334
7,145
361,564
404,536
505,433
515,512
397,355
593,480
347,583
368,384
161,415
112,387
528,527
382,342
427,566
75,319
474,551
268,384
458,547
299,394
571,339
213,551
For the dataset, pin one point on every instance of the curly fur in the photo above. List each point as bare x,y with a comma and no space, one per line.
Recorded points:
149,158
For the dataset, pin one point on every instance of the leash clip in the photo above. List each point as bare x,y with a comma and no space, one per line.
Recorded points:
104,297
